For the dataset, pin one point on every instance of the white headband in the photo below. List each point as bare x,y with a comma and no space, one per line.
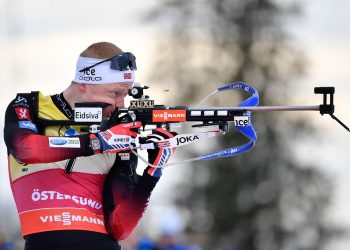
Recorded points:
100,74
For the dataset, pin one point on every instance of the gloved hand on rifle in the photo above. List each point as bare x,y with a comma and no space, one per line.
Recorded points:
159,156
116,139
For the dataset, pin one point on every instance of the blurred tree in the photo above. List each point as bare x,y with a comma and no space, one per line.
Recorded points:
262,200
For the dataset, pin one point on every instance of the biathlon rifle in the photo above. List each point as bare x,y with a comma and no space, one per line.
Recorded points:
143,109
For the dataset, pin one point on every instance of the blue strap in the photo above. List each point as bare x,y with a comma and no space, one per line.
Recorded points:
247,131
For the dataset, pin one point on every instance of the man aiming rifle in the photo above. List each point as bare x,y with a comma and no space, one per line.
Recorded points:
74,189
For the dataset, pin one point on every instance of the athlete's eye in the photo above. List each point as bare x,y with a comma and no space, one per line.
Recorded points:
114,94
119,94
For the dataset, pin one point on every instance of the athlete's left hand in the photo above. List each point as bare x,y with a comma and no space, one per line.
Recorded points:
159,156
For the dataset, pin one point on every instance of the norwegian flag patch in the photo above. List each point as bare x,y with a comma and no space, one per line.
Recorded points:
163,144
127,76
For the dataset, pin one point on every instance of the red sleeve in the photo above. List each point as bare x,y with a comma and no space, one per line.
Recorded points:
130,208
27,146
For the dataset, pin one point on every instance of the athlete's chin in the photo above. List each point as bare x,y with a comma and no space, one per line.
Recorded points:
107,116
107,113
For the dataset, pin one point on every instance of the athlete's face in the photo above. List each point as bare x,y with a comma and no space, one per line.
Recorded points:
112,93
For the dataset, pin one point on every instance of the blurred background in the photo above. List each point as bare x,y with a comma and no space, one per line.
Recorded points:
291,192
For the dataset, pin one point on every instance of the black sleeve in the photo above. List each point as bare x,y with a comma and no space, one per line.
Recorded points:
125,198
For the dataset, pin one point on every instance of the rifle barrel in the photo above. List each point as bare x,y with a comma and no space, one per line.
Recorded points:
263,108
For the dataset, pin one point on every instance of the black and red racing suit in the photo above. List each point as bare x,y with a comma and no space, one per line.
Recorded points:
65,195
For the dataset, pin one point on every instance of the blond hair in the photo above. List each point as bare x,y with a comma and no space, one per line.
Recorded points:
101,50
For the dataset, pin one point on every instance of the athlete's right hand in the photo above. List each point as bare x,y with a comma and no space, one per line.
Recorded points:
118,138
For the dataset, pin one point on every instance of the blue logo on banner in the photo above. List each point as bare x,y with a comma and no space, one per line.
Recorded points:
28,125
58,141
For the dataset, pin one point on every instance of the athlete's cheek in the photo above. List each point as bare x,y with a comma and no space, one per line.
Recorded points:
119,103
